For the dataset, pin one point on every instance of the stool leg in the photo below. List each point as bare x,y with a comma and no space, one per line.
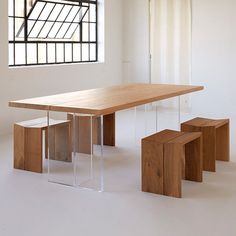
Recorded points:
28,149
33,150
152,167
209,148
223,143
193,160
19,147
173,169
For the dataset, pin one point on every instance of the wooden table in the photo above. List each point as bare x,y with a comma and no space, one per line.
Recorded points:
104,103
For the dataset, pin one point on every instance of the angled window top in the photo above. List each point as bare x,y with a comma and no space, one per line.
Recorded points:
52,19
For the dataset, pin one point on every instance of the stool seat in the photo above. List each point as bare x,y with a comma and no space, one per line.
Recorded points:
215,139
169,156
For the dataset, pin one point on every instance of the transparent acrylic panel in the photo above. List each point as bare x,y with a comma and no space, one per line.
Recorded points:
60,147
169,114
88,151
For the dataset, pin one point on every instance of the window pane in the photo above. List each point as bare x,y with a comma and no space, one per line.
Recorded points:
63,31
56,11
42,53
20,53
92,52
85,52
51,53
76,52
37,10
60,52
92,32
92,12
64,13
85,32
31,53
68,52
46,29
46,11
11,54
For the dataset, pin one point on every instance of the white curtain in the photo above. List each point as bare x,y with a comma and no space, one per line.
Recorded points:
170,41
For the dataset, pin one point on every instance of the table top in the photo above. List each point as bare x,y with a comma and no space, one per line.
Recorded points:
103,101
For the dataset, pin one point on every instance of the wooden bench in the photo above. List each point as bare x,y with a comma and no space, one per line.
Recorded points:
29,137
216,140
169,156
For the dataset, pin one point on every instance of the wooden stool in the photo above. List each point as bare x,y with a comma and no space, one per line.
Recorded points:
169,156
28,143
83,131
216,139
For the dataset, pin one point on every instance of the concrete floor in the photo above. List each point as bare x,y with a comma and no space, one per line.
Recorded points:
31,206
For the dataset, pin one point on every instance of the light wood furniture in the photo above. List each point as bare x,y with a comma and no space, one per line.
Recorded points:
169,156
83,131
29,139
104,101
216,140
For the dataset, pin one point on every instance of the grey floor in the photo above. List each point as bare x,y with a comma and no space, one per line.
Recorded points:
31,206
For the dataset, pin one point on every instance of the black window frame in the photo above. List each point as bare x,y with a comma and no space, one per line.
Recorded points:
26,41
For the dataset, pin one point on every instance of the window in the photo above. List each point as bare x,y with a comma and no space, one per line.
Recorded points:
43,32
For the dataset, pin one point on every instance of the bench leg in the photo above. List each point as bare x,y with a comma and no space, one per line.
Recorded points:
209,145
193,160
173,169
28,149
152,167
209,148
223,143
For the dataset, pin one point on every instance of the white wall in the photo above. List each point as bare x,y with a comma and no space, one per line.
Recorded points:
38,81
136,41
214,56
